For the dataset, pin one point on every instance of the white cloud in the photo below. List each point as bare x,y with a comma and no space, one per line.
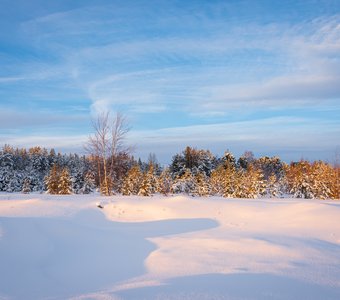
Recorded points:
218,66
280,92
201,66
309,72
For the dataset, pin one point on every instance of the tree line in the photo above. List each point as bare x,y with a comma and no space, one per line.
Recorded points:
31,170
110,168
193,172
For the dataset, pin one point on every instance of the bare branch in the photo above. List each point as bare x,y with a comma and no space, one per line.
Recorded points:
106,143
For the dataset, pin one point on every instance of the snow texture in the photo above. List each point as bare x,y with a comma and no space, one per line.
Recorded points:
178,247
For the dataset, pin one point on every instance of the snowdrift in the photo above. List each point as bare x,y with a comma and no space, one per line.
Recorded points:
177,247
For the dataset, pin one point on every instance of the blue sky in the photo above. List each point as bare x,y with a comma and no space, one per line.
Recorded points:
238,75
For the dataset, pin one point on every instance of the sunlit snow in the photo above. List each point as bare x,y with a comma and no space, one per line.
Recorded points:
176,247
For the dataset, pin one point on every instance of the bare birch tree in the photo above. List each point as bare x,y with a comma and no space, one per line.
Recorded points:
106,143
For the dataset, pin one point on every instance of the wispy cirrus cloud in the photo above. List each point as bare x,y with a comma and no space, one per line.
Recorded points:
271,62
305,70
191,65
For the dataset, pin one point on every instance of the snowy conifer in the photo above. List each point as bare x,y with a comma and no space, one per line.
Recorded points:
132,181
229,181
202,185
270,166
65,183
323,180
89,183
251,183
148,185
164,183
77,182
177,167
245,159
258,183
228,160
300,180
26,188
6,170
152,177
52,180
216,181
272,187
184,184
335,183
145,188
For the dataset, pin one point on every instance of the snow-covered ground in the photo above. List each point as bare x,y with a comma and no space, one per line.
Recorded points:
178,247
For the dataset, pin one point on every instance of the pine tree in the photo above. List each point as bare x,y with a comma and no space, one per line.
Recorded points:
300,180
270,166
216,181
65,183
52,180
145,188
206,162
335,185
184,184
164,182
245,159
323,180
194,160
177,166
7,170
316,180
89,183
228,160
335,182
132,181
253,183
148,185
273,187
202,185
77,182
15,182
26,188
229,181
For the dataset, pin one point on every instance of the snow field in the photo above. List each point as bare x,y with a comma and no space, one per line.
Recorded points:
177,247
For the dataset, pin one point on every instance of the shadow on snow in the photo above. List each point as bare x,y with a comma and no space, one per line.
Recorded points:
60,257
250,286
